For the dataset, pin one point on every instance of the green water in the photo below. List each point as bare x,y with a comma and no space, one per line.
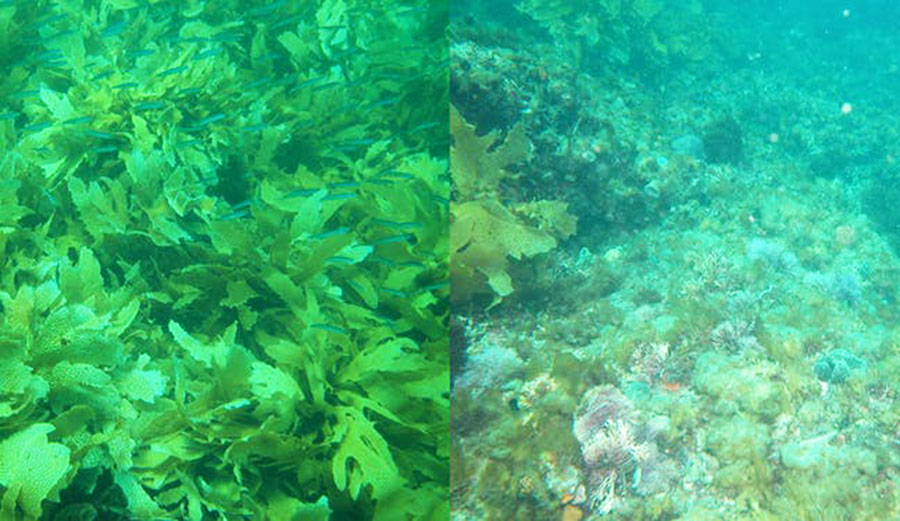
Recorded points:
224,260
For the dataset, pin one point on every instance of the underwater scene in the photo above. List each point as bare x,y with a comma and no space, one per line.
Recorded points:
224,260
675,229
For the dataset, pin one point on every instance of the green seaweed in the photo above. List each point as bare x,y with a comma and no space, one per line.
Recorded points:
203,314
625,32
486,233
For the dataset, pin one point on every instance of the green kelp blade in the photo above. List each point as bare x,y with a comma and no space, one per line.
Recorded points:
30,467
363,456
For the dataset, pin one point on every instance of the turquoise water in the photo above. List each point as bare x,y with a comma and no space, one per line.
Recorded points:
716,338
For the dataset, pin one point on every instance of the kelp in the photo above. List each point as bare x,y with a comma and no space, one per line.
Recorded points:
225,261
486,233
643,33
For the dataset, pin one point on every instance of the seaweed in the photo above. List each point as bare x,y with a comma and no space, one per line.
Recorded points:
485,233
205,311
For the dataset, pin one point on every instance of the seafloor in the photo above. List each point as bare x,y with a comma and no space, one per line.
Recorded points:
718,340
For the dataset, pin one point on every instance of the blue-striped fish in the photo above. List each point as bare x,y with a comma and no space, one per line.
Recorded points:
173,71
330,328
403,237
138,53
209,53
331,233
99,134
149,105
79,120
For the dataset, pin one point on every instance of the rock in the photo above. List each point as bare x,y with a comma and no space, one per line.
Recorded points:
806,453
838,365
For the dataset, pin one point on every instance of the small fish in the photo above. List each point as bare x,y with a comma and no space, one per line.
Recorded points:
302,192
436,286
149,105
384,260
346,53
324,86
358,81
339,197
45,21
255,128
235,215
138,53
344,184
390,76
267,9
102,75
307,83
403,237
189,143
114,29
423,126
329,328
409,225
258,82
36,127
337,231
59,35
107,149
225,37
99,134
49,54
237,404
205,181
6,116
382,103
243,204
267,57
219,116
284,22
410,10
189,91
125,85
396,174
443,201
163,15
395,292
25,94
79,120
351,144
339,259
173,71
50,197
209,53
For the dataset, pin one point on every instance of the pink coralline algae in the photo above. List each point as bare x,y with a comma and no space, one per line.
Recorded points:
600,406
617,449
